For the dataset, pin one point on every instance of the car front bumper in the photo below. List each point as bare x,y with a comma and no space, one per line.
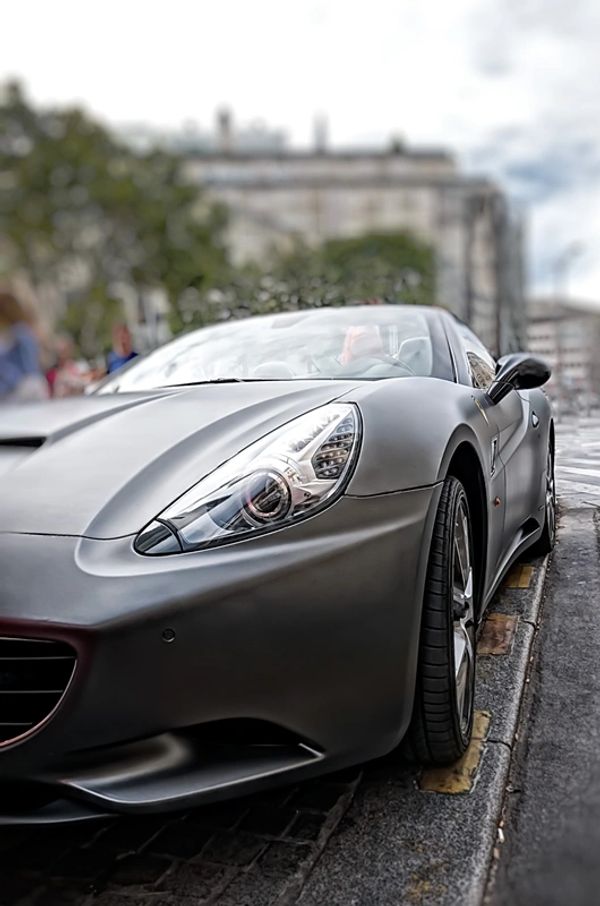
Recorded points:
310,632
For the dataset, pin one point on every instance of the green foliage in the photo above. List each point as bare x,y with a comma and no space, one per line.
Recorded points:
90,320
83,214
87,217
392,267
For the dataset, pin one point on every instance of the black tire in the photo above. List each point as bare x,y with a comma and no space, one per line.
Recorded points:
441,728
545,543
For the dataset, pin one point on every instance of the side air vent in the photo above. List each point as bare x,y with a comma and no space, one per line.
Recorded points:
34,674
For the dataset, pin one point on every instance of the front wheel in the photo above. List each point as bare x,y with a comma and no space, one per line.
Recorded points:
545,543
443,711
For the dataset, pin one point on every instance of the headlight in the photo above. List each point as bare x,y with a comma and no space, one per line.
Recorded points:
285,476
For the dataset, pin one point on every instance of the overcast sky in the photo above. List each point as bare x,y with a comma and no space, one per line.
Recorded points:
511,85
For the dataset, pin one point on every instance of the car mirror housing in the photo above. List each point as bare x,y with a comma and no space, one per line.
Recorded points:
518,371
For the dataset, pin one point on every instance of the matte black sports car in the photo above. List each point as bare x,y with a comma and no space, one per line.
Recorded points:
258,554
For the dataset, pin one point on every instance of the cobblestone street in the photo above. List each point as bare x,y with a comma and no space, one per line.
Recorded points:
256,850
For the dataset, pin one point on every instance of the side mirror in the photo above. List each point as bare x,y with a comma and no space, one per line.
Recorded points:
518,371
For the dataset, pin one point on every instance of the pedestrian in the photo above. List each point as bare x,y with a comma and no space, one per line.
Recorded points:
21,377
122,351
68,376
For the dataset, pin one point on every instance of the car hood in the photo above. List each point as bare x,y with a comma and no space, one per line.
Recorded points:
104,466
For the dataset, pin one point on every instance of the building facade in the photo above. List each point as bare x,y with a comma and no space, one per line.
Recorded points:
277,198
567,336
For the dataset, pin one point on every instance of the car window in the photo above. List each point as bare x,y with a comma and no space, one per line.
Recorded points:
481,363
364,342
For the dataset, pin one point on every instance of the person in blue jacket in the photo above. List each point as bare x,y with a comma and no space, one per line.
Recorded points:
21,376
122,351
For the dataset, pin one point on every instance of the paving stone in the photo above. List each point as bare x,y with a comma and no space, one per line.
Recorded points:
182,839
142,868
283,859
233,848
252,888
130,834
196,880
118,898
307,826
83,863
269,821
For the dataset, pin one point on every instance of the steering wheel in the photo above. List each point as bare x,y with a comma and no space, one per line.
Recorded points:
400,364
374,362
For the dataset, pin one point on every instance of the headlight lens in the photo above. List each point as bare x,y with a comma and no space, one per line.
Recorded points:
285,476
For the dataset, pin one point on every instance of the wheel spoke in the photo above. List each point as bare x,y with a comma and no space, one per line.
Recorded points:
463,600
461,546
463,668
550,494
463,596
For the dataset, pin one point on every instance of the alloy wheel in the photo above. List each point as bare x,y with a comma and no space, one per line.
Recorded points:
550,495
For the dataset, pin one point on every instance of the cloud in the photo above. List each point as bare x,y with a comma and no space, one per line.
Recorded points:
538,69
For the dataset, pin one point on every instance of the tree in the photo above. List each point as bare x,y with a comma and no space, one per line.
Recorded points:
81,213
393,267
92,223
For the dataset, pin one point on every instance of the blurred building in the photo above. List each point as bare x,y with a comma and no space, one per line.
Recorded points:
567,335
276,196
251,138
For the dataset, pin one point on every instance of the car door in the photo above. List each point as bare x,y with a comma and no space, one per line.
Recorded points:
508,456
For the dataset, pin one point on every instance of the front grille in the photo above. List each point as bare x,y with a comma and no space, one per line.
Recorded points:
34,674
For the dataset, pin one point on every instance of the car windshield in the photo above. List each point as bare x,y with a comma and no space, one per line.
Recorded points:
361,342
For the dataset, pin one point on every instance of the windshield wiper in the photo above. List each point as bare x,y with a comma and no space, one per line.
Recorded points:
219,380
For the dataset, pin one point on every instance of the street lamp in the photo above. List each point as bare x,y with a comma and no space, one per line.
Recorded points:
562,266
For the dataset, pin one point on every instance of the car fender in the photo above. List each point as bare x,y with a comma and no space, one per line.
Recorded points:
411,429
415,450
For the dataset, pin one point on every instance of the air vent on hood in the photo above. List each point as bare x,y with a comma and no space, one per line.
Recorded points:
34,674
30,442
